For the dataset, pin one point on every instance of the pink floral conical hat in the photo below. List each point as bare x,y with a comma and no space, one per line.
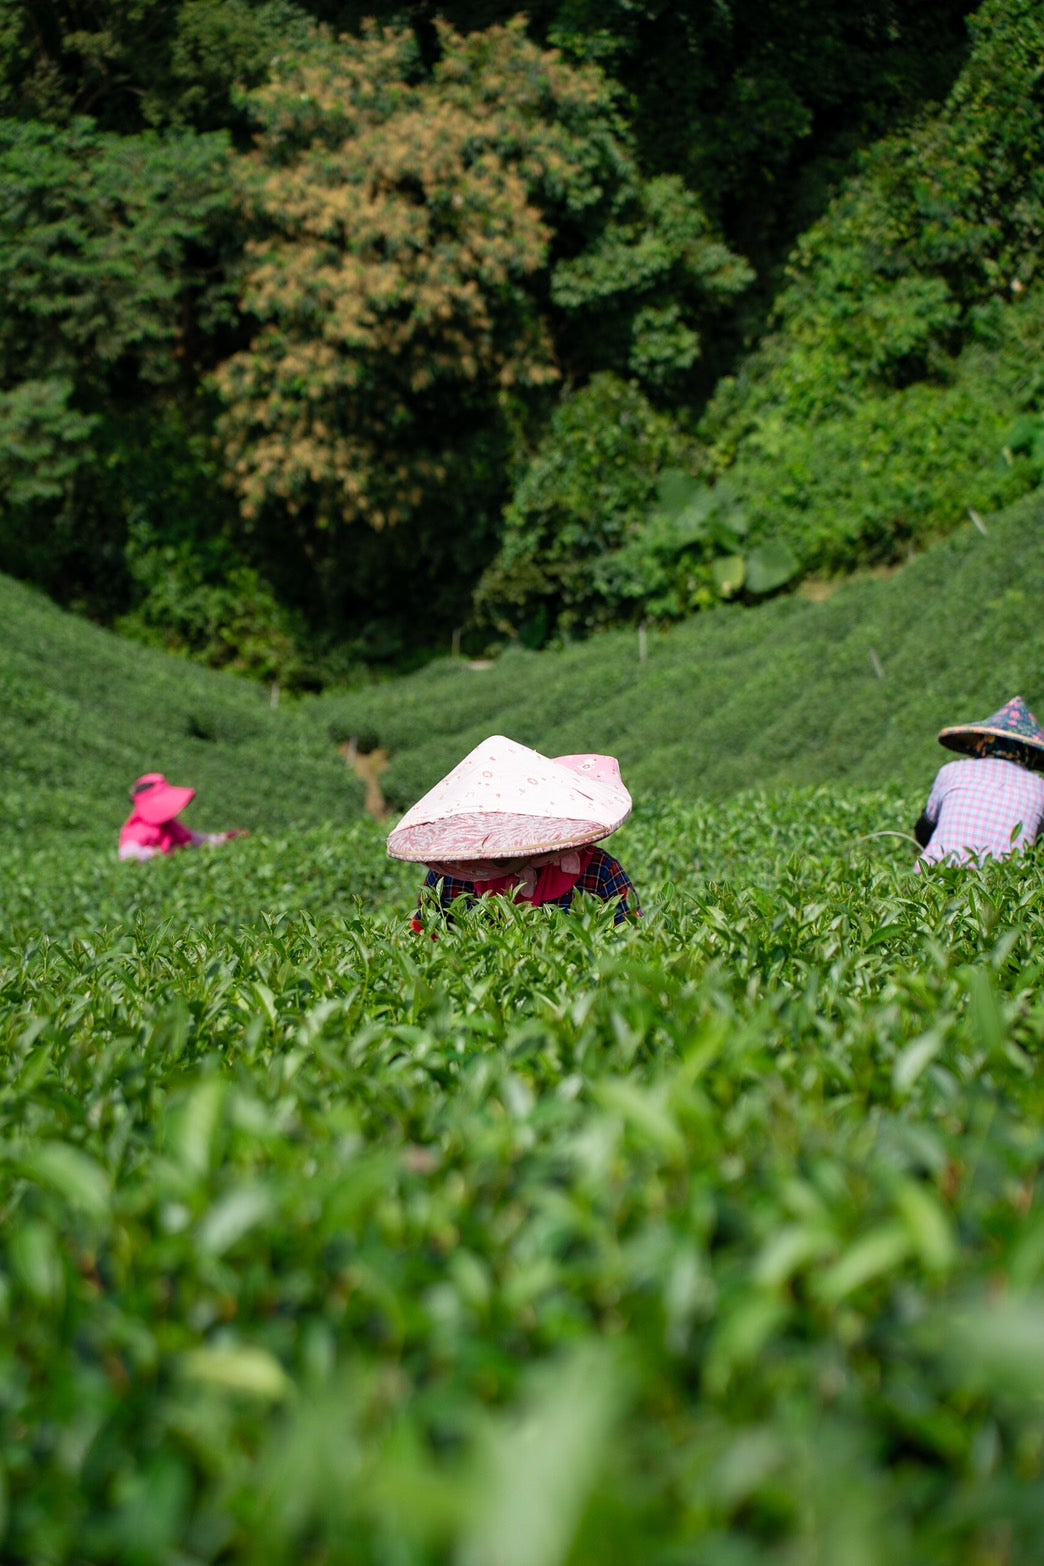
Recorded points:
505,801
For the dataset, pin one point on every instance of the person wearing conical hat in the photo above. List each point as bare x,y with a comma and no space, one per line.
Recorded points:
507,820
153,827
991,803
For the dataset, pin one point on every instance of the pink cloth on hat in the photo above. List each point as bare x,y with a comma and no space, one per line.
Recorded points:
588,764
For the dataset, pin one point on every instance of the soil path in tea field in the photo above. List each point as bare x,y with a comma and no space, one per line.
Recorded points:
368,766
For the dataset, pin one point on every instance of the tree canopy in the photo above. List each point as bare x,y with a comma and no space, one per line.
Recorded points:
409,320
114,290
431,251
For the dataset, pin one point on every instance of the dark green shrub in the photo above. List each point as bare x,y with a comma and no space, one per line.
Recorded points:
907,336
586,492
198,598
692,552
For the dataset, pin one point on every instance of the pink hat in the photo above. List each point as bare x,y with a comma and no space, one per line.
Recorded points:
505,801
157,801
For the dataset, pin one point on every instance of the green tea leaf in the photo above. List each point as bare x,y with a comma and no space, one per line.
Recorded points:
77,1177
875,1253
538,1467
253,1372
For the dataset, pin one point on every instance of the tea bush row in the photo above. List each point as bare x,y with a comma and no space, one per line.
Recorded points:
796,692
712,1238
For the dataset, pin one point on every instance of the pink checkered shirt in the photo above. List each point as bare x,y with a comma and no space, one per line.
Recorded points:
983,807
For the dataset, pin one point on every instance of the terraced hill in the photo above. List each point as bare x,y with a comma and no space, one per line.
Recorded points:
850,685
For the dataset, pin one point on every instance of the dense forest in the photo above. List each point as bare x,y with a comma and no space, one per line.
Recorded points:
333,334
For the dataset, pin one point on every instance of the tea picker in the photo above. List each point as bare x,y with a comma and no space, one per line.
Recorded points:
991,803
508,821
153,827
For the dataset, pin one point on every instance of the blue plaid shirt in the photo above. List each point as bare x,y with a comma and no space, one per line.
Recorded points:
603,877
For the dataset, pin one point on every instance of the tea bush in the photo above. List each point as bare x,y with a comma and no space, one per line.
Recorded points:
544,1242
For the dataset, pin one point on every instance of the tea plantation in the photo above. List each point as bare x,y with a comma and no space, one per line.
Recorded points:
851,685
710,1241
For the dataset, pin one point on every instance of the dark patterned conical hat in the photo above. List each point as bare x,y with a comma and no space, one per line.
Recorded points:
1012,733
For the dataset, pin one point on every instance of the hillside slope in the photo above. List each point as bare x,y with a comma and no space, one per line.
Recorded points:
798,692
795,692
82,713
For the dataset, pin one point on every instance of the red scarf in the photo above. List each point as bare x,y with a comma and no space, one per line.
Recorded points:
545,884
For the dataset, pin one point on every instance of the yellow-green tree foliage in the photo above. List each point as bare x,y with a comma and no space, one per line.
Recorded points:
402,226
